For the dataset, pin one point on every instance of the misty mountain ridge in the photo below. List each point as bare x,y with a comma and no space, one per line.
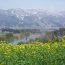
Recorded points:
31,19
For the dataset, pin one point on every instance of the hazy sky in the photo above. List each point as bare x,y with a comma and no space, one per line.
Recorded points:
33,4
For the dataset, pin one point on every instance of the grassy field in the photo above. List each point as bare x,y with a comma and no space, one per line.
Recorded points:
51,53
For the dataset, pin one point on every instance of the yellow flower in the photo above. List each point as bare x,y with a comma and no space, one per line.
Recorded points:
23,47
63,45
48,46
1,64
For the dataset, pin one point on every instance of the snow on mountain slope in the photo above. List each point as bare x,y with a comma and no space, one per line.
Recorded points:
31,18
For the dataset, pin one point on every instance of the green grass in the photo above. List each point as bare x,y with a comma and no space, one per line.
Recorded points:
33,54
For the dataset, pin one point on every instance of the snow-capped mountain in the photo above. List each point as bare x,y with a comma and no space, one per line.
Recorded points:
31,18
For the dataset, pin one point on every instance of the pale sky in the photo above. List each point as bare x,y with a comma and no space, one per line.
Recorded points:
51,5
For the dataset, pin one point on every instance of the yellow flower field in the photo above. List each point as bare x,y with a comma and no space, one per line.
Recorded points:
33,54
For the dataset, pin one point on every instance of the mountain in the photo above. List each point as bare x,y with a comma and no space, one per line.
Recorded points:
31,19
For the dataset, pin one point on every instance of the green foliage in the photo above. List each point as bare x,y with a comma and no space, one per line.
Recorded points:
33,54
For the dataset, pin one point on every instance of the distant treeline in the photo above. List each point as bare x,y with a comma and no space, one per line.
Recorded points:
60,32
56,34
21,30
